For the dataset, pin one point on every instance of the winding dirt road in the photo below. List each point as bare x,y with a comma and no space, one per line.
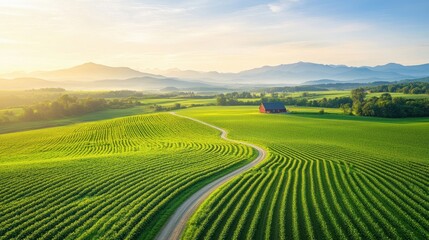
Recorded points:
175,226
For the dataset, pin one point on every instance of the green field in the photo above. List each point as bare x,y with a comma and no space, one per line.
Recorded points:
95,116
90,117
327,177
115,179
317,95
182,101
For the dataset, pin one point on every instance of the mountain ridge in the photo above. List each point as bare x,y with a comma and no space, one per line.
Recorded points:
300,72
88,71
97,76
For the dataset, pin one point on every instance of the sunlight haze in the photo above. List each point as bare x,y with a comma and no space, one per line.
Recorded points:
210,35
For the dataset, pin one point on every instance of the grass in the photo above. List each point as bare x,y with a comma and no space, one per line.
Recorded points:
326,176
116,179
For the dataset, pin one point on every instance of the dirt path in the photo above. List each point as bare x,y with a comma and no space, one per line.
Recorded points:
175,226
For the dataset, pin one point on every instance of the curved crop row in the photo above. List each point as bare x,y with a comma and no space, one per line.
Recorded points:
312,191
119,179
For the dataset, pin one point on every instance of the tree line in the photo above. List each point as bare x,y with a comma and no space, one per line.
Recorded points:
409,88
232,99
358,104
67,105
296,89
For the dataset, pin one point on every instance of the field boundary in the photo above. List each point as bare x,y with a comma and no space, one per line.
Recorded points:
176,224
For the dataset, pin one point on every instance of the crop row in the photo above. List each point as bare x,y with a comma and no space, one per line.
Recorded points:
314,191
119,178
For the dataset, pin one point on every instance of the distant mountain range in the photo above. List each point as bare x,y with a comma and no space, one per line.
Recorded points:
84,73
96,76
301,72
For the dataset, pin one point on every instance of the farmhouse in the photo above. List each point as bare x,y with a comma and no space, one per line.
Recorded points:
272,107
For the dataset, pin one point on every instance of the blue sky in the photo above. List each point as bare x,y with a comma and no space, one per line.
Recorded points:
211,35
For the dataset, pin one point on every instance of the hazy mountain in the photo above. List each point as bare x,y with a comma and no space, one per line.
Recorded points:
364,74
86,72
26,83
413,70
140,83
96,76
145,83
297,73
321,81
211,76
426,79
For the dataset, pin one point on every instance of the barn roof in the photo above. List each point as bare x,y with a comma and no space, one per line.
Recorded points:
273,105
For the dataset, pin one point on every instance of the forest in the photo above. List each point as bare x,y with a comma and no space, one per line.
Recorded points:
67,105
386,106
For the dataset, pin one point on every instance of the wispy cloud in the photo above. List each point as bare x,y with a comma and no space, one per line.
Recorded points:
281,5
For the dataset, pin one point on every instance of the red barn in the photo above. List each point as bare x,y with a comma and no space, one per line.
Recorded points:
272,107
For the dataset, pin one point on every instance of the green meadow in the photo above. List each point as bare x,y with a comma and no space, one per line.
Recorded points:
327,176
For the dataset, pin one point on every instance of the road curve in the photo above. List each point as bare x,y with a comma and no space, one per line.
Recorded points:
175,226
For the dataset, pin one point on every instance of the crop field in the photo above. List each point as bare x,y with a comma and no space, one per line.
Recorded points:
326,177
90,117
115,179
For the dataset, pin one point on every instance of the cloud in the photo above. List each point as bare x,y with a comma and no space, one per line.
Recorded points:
281,5
275,8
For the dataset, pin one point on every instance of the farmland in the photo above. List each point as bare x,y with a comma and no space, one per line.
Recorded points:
327,176
118,179
317,95
146,107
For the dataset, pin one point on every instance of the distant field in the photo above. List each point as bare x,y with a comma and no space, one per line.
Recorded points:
321,94
95,116
327,176
404,95
182,101
316,95
113,179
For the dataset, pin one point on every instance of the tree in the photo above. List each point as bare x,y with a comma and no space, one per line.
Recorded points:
29,114
221,100
386,97
358,97
346,108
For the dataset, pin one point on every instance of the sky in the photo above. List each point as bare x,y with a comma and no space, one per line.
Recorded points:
206,35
